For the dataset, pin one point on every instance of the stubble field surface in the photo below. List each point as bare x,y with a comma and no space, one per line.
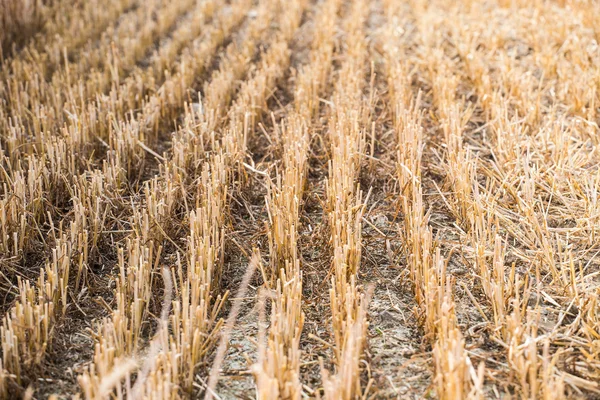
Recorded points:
238,199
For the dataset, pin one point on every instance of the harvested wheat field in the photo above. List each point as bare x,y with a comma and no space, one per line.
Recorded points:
286,199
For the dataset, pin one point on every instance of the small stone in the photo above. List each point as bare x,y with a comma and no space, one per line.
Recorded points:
197,108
